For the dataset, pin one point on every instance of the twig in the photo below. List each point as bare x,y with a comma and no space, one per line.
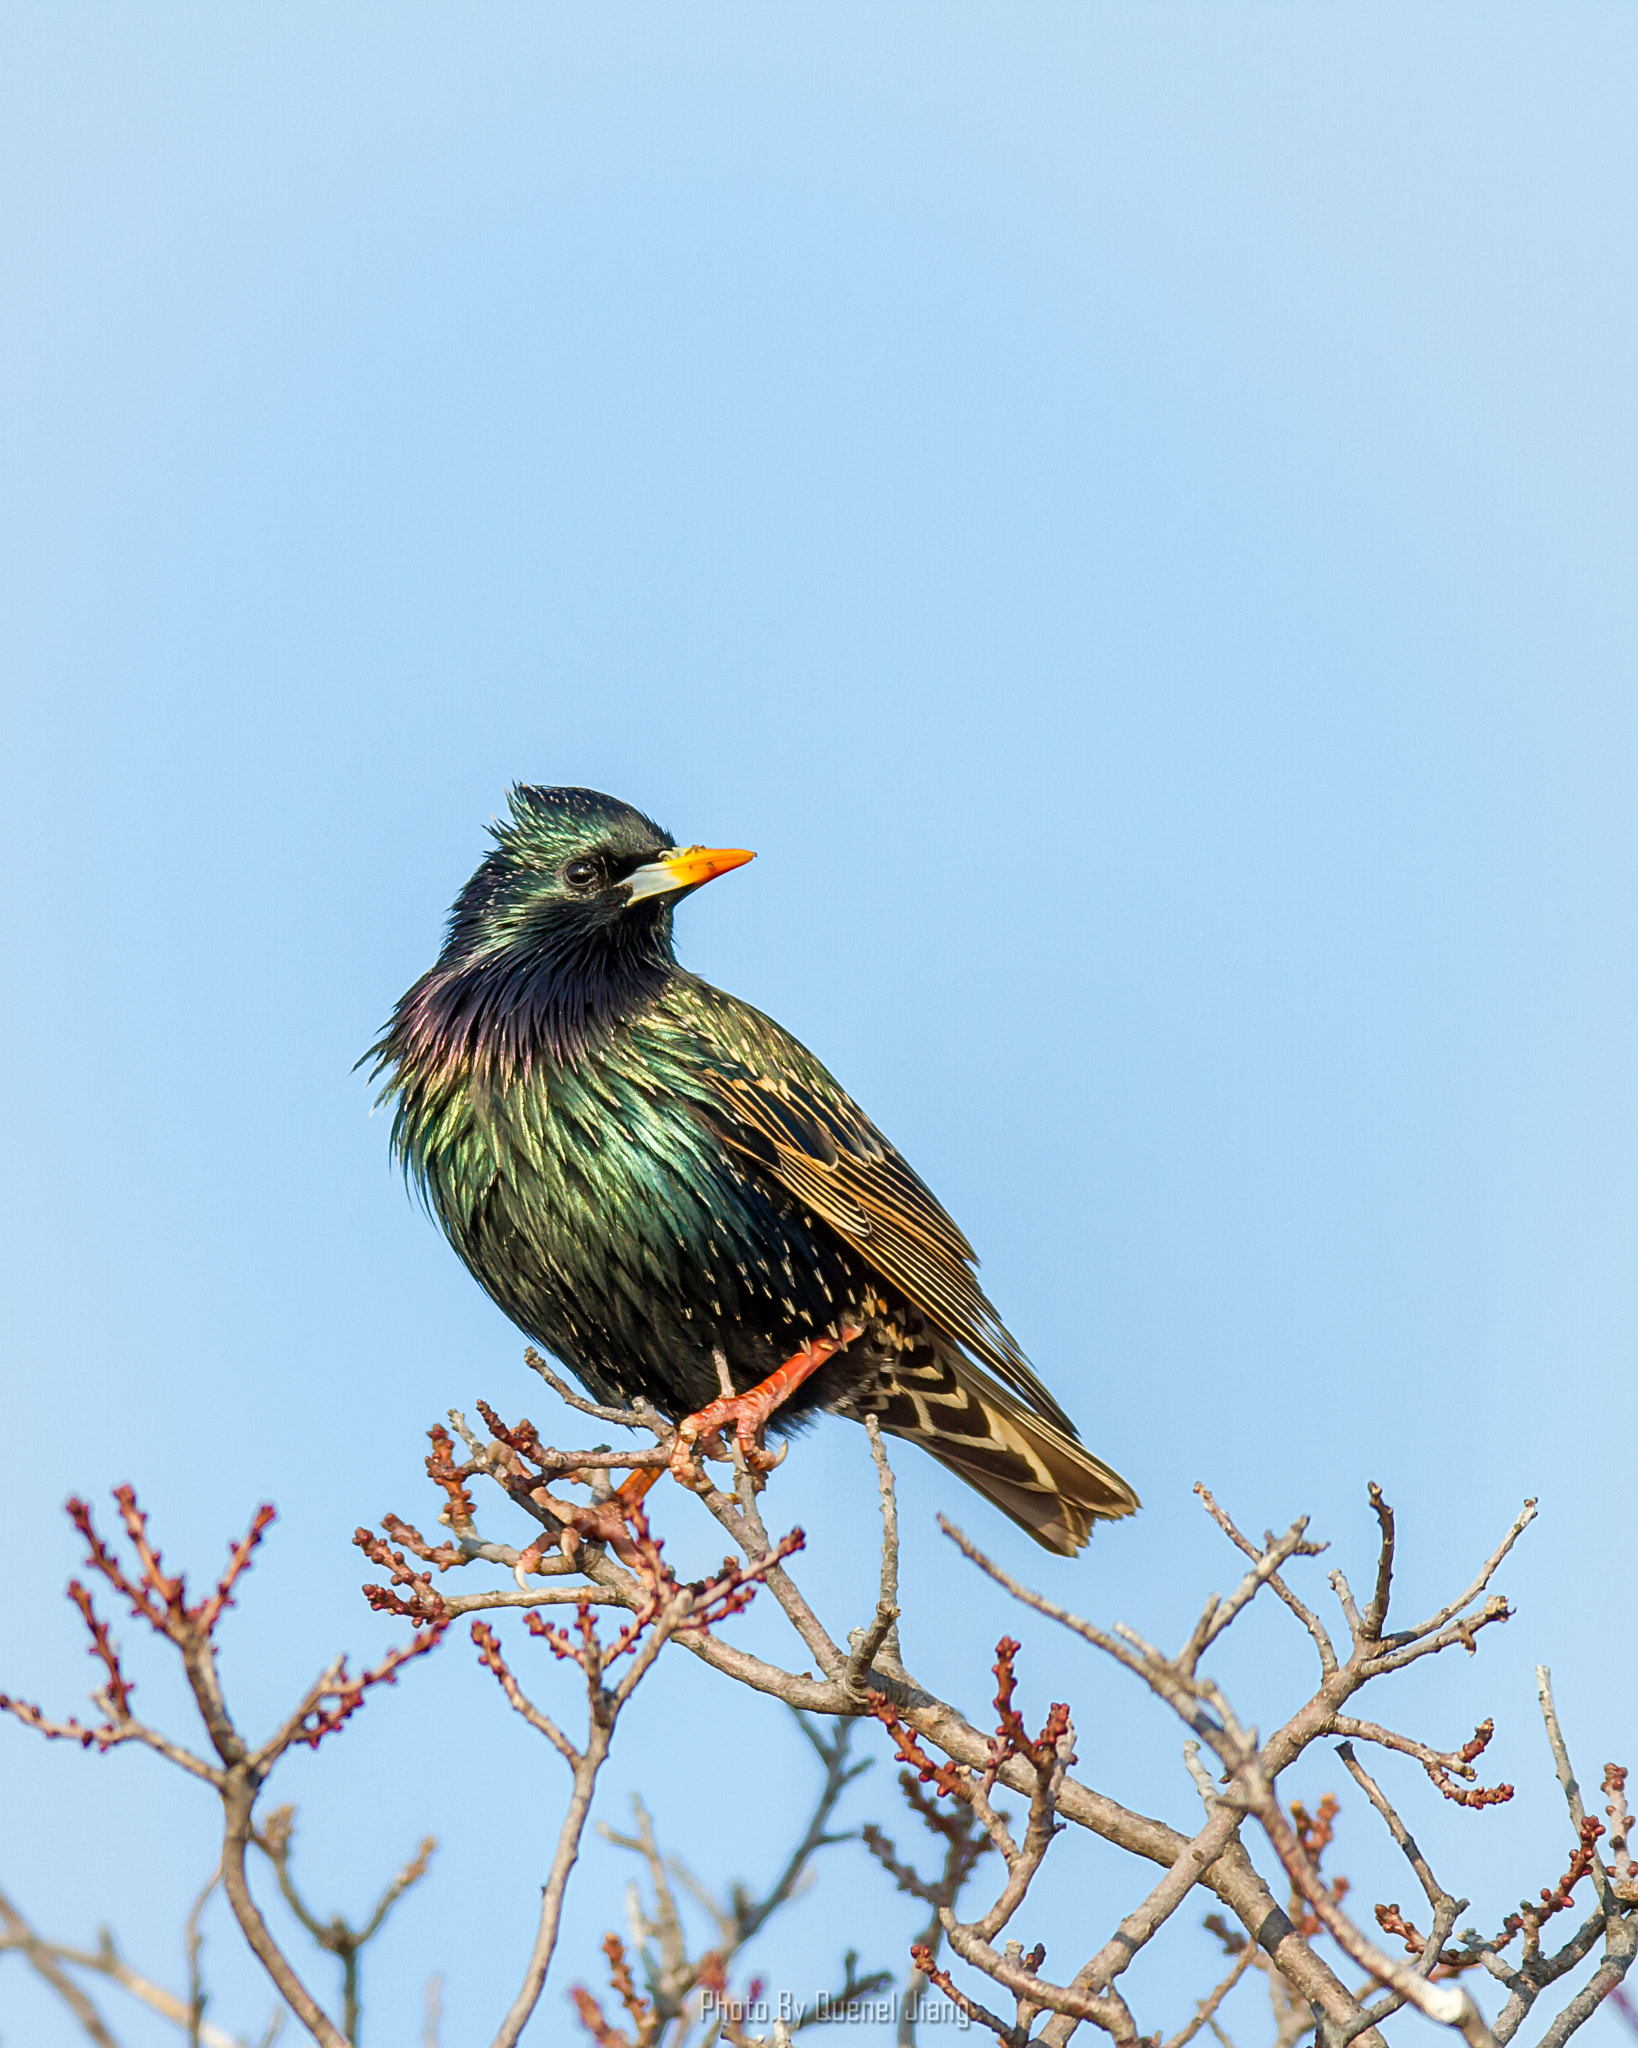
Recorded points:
52,1959
240,1771
1306,1615
591,1761
1213,1999
192,1944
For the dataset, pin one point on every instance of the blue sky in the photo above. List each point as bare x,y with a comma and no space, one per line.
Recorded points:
1130,510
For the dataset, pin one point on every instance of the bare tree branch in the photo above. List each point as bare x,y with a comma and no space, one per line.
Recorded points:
586,1554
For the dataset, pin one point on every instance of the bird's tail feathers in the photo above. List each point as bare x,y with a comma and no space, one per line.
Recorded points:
1038,1476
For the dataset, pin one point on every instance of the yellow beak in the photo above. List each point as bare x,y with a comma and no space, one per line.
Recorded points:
687,869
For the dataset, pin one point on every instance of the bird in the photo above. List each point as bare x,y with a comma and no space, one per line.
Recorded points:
665,1189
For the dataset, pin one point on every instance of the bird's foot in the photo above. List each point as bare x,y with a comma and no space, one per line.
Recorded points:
603,1521
749,1412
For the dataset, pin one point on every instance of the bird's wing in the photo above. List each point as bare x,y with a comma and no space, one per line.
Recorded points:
774,1103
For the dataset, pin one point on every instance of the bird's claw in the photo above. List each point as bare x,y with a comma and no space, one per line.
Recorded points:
702,1436
530,1560
689,1446
603,1521
749,1413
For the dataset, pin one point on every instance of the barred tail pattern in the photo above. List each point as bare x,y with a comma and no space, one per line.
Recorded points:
1041,1478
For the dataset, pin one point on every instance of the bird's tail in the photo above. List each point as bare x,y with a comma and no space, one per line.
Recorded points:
1034,1472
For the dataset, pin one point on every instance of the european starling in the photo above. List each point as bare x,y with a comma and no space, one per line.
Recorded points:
653,1179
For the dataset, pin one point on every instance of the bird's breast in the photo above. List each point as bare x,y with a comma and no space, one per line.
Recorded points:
599,1210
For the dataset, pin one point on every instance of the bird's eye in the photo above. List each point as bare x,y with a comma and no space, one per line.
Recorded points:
583,874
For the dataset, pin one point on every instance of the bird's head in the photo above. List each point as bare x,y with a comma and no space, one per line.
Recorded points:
564,930
576,871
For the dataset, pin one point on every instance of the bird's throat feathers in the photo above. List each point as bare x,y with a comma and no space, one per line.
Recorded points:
491,1014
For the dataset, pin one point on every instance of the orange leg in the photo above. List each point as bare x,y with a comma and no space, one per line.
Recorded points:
605,1520
749,1412
636,1484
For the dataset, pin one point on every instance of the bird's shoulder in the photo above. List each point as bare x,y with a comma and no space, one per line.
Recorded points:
780,1104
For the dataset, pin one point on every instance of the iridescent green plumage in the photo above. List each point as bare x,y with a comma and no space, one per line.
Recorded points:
644,1172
